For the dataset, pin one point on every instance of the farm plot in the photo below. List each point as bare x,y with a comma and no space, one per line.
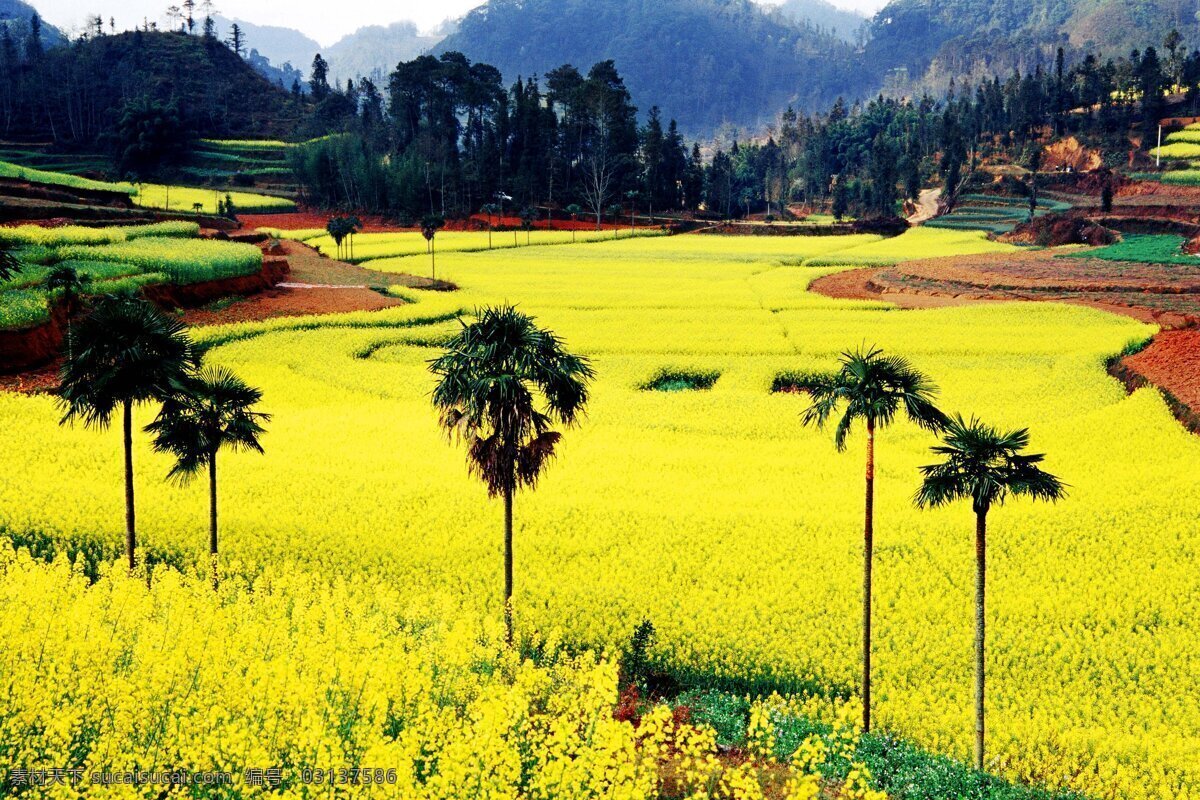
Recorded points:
713,513
111,260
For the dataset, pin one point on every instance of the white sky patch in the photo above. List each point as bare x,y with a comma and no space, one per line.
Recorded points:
318,20
321,21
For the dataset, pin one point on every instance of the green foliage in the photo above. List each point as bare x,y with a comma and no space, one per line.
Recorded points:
23,308
182,262
18,172
132,81
672,380
79,234
149,135
1150,249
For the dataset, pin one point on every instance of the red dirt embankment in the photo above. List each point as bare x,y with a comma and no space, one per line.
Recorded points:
1171,362
21,350
27,349
193,295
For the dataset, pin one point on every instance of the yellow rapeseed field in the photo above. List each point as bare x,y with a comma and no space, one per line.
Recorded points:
714,514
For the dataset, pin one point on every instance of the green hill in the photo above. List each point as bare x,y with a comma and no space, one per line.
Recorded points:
705,62
73,96
935,40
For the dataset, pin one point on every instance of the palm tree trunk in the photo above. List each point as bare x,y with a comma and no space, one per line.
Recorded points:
868,560
433,258
130,520
980,621
212,517
508,565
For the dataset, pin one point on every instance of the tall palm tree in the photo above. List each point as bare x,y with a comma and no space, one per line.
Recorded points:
214,409
503,383
985,466
574,210
123,354
491,209
873,388
430,225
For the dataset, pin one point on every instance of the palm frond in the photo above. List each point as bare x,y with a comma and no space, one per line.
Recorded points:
502,383
985,465
210,411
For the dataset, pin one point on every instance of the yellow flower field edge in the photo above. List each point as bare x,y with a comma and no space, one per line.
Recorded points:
49,178
378,692
186,199
713,513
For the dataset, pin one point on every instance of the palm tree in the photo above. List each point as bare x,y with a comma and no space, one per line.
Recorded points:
529,215
984,466
430,225
491,209
10,265
337,229
491,379
69,285
574,210
123,354
353,226
874,388
213,410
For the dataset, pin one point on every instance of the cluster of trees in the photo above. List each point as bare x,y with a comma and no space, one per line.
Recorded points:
125,353
510,440
866,158
149,89
448,138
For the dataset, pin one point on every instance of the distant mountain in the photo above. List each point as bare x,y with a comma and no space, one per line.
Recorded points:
933,41
704,62
842,22
374,51
277,44
15,15
284,75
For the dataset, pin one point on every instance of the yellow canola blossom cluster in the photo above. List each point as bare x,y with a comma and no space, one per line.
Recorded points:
715,514
295,687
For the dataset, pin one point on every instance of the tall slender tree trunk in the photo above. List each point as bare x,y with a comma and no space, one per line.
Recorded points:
508,565
433,257
980,622
212,517
868,561
130,520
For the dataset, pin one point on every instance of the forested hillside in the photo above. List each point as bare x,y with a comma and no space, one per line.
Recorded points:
77,95
935,40
841,22
709,61
375,50
16,17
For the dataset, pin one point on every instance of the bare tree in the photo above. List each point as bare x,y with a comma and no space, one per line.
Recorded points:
599,174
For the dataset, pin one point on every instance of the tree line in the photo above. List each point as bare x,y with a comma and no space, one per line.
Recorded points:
445,136
865,158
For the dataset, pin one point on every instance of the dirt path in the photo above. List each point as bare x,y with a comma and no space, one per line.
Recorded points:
927,206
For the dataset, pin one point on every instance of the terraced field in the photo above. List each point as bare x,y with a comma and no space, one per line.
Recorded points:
710,511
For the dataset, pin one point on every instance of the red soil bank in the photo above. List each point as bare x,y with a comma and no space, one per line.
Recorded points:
193,295
26,349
